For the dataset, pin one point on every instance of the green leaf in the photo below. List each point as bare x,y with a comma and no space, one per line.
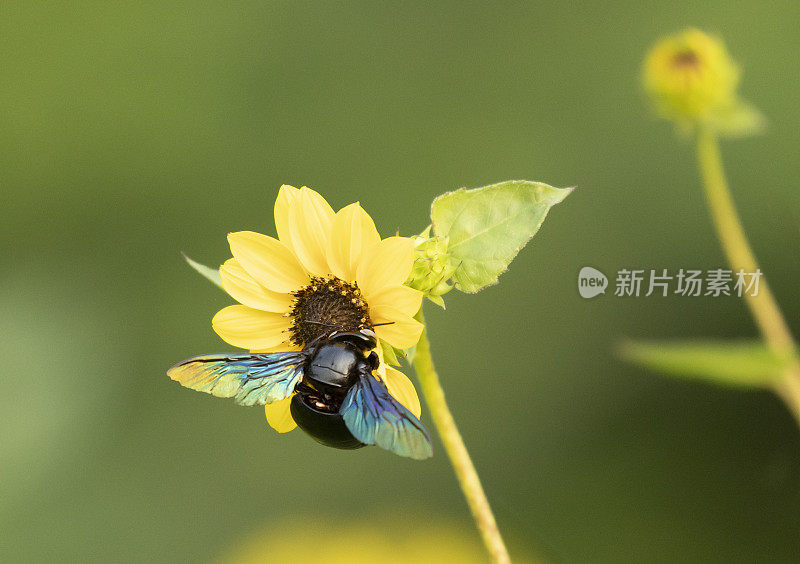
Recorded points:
488,226
734,363
211,274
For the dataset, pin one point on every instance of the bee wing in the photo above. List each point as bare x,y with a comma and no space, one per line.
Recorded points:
251,379
375,417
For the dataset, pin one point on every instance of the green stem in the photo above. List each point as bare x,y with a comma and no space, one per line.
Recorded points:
454,445
763,307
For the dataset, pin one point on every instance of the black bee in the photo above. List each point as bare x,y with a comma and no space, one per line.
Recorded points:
338,398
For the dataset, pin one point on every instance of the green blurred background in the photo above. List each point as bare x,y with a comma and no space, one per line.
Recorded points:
132,131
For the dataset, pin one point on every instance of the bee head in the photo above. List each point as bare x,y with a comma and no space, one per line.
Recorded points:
364,339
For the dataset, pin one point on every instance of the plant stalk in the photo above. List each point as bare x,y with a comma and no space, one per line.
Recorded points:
454,446
763,306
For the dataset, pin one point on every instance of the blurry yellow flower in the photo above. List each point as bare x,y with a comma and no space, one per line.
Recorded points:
390,537
327,271
690,76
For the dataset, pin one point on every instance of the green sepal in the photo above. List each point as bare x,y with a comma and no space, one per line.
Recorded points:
410,354
211,274
740,119
390,354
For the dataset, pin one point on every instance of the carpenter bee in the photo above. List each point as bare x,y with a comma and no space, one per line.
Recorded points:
336,397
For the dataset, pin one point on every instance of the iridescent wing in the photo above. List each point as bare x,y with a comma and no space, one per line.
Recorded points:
375,417
251,379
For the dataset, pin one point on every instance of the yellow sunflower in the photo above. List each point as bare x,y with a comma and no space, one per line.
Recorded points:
326,271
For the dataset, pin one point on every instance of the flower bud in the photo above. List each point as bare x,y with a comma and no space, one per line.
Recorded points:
432,267
690,77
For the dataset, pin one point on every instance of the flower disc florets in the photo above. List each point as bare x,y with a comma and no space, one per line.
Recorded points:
327,304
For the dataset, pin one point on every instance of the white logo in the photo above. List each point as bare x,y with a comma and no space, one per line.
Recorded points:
591,282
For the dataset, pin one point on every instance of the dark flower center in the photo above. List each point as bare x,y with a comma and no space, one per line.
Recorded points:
326,305
686,58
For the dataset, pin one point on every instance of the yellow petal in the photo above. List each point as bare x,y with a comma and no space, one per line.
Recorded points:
279,415
285,346
402,298
353,232
244,289
287,196
402,333
249,328
268,261
386,264
310,221
403,390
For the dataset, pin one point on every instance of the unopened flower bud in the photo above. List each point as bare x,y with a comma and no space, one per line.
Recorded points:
690,77
432,269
